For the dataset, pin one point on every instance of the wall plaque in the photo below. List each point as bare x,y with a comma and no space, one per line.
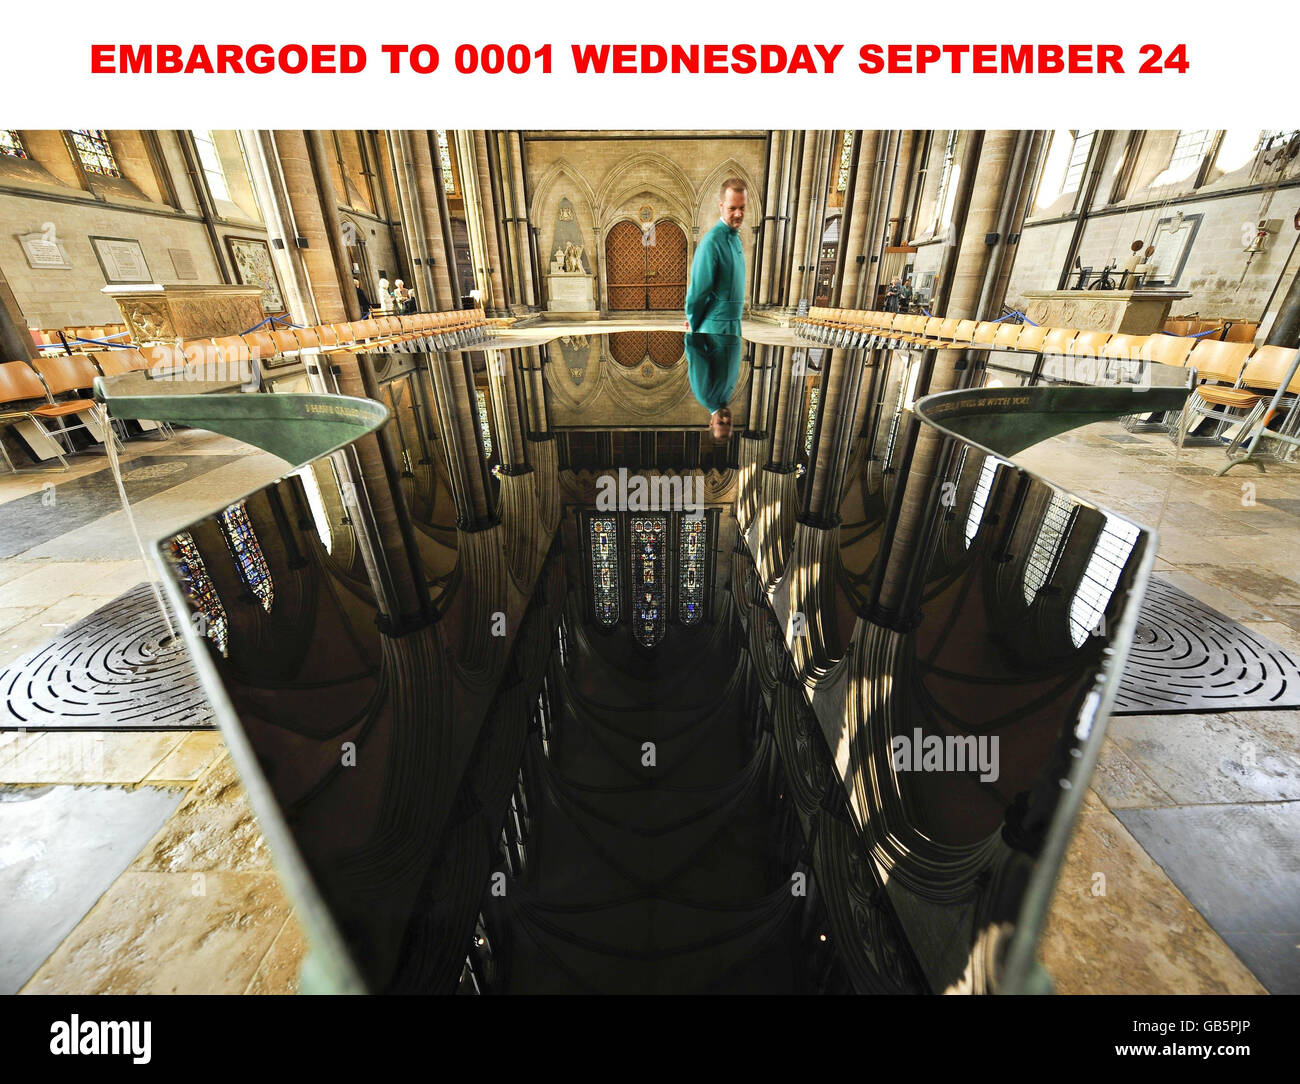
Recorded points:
44,251
183,263
121,259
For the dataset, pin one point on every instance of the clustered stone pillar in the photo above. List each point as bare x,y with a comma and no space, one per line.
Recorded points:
975,212
489,222
471,484
312,221
836,433
855,242
426,215
804,226
502,383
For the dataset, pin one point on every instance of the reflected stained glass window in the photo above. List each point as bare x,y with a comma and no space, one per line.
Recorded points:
604,569
1107,562
247,551
814,400
198,585
484,427
692,549
649,540
1047,545
95,151
11,144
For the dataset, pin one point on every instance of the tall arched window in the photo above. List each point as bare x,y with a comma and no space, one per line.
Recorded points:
980,498
649,576
604,570
1093,594
247,551
95,151
198,585
691,568
1048,543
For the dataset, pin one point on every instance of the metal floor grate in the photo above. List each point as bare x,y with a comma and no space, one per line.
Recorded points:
106,673
1187,657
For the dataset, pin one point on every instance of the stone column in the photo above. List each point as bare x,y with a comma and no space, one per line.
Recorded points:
385,503
803,215
523,235
864,183
981,220
313,220
427,207
489,219
503,383
774,205
836,434
471,483
784,422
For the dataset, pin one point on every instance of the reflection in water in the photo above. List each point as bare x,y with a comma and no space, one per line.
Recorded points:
618,697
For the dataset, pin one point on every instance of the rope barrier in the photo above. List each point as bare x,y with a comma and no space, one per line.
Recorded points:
1198,335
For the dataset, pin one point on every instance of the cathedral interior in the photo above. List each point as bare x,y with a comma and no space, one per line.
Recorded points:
384,609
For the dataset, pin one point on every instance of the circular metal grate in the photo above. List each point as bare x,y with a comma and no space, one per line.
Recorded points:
1188,657
112,670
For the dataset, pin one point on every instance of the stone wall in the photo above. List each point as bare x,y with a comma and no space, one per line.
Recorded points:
611,176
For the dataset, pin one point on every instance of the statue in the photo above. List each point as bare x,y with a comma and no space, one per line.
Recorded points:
573,257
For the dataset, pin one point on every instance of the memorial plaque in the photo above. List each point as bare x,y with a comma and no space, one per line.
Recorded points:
183,263
44,251
121,259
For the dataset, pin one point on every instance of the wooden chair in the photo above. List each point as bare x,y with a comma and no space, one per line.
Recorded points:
25,404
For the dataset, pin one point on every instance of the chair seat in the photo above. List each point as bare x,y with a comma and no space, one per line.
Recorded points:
1234,397
62,410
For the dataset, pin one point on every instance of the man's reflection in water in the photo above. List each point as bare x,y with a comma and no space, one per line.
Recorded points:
713,364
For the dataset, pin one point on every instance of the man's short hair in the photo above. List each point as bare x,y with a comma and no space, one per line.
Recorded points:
732,183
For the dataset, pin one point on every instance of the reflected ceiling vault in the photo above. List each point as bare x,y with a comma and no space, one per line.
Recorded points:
826,732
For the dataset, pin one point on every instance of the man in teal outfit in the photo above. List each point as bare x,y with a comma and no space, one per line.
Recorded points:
713,367
715,296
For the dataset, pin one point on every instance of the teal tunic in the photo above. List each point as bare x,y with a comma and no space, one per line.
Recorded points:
715,297
713,366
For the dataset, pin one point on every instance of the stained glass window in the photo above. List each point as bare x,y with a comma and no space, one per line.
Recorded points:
444,161
11,144
1100,577
691,554
604,569
247,551
814,399
95,151
1048,543
198,585
846,159
484,427
649,540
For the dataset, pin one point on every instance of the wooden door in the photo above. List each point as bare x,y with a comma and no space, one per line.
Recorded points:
646,270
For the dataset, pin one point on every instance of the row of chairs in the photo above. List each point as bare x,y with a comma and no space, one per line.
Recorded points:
1234,376
1233,331
42,397
78,339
